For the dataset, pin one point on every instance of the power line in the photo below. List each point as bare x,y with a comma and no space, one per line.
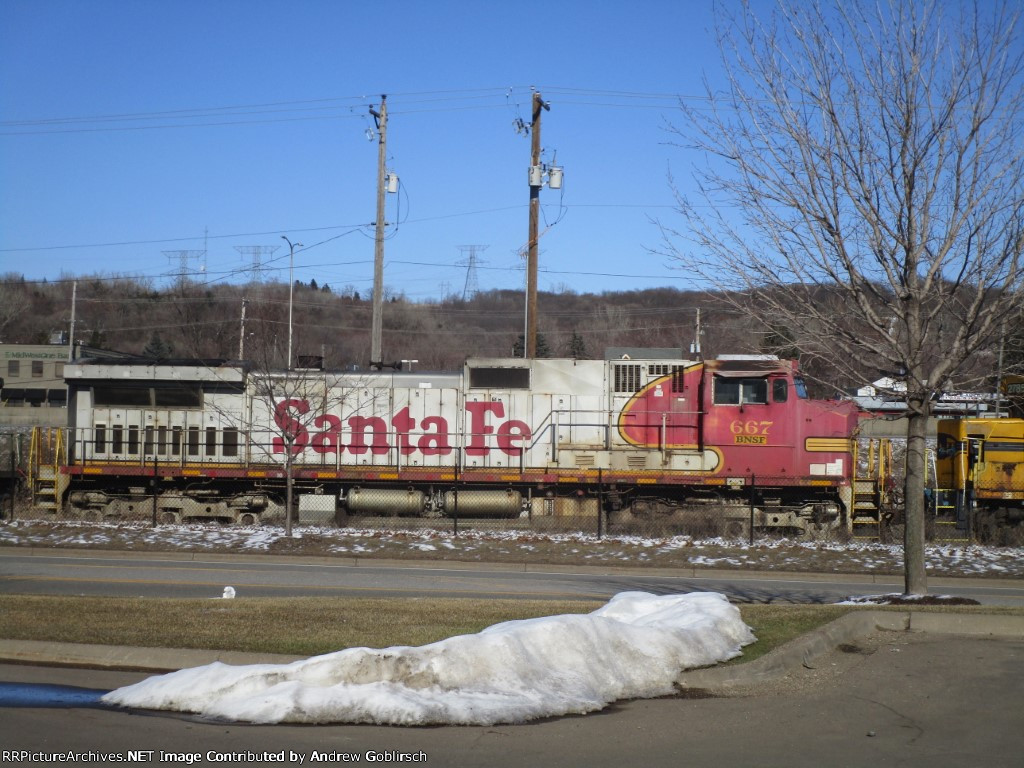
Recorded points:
349,107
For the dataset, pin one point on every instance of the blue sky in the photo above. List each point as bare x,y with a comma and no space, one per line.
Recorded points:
131,132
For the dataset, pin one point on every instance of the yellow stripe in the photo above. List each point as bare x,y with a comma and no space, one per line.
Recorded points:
828,445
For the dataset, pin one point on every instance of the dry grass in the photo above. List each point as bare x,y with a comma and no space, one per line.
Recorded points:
299,626
309,626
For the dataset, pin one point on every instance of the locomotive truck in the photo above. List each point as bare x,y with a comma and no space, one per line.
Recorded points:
720,443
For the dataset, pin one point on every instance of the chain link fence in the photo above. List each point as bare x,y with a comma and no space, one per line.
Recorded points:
165,490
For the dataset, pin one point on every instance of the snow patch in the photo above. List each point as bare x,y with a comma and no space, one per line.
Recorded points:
634,646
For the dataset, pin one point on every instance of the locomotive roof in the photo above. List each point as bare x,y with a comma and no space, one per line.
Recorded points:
170,361
751,366
140,368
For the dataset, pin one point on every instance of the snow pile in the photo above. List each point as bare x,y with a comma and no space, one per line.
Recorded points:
635,646
960,559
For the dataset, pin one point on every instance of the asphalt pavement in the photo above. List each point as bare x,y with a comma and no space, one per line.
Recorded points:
939,694
874,688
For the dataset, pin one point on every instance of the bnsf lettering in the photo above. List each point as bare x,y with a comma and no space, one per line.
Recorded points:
369,434
750,440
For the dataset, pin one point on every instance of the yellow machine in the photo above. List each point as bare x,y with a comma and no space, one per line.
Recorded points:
982,462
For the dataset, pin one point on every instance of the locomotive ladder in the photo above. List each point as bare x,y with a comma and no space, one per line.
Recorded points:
942,507
870,483
46,453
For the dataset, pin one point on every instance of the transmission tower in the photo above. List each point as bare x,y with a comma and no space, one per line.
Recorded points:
470,263
256,254
183,258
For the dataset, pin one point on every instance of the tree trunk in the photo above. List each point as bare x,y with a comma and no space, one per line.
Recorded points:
916,579
288,493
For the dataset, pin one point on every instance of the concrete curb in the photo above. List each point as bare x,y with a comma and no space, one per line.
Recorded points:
846,629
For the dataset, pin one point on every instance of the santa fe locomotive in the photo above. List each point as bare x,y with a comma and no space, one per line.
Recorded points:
726,442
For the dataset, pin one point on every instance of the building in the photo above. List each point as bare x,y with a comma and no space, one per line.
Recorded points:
32,388
888,396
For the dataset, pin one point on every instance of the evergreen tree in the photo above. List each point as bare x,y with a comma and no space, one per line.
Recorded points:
578,347
543,350
157,348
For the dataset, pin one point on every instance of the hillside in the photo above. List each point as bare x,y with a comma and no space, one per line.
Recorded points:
194,320
191,319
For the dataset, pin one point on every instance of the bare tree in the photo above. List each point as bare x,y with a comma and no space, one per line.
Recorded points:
13,301
296,412
862,185
289,403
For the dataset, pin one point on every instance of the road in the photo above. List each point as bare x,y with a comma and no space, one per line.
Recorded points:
898,699
53,572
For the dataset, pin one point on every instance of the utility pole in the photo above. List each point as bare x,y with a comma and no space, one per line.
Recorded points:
378,250
291,293
536,182
71,340
241,334
698,332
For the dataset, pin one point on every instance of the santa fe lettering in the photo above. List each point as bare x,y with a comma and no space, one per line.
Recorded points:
369,434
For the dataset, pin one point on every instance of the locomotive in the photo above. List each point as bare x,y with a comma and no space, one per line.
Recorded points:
980,471
730,442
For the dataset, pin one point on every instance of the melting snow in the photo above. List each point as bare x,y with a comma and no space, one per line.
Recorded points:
634,646
674,551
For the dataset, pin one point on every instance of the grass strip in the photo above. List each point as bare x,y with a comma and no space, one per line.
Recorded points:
309,625
301,626
306,626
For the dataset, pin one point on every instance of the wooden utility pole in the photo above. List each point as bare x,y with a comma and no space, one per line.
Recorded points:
378,251
536,182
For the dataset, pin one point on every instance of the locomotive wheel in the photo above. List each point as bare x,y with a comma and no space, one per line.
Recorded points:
248,518
169,518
